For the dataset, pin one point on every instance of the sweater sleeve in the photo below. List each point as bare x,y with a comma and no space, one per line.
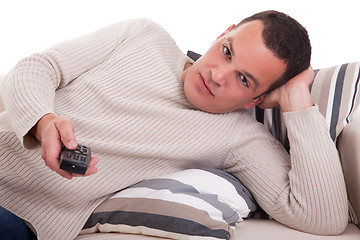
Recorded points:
29,88
304,190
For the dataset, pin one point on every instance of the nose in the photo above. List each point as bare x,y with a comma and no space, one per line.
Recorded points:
221,74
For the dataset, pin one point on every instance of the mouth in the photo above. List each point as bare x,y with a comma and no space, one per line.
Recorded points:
204,86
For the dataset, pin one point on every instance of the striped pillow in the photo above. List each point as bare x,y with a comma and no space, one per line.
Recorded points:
190,204
336,91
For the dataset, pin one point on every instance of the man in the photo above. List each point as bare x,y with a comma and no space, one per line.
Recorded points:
145,109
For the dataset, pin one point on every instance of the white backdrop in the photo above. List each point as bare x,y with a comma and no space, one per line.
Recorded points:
29,26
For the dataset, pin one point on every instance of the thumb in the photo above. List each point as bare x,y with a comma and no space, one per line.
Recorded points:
66,130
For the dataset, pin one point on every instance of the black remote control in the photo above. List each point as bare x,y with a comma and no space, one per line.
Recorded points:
75,161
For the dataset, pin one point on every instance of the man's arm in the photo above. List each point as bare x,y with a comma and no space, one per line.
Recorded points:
304,190
29,90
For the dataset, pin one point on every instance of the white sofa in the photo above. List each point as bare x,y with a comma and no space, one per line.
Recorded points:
348,142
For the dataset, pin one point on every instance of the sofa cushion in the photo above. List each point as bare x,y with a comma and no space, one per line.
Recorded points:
2,108
350,158
250,229
261,229
190,204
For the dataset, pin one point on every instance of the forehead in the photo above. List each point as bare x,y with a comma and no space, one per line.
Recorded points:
252,56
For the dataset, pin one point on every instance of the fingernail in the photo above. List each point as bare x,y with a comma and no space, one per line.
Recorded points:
71,145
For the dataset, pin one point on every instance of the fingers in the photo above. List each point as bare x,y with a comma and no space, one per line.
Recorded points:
92,169
304,78
51,147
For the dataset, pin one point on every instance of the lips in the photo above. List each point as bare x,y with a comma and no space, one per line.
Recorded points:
204,86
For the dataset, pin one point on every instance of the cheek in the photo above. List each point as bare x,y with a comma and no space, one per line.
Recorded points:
236,98
190,92
211,56
187,89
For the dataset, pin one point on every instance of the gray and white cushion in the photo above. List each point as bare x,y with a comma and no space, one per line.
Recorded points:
189,204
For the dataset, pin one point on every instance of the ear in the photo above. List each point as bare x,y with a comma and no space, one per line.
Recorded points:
255,102
226,31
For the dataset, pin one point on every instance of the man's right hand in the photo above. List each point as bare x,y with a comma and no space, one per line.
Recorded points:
294,95
53,131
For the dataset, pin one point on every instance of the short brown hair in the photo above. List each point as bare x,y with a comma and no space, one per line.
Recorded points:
287,39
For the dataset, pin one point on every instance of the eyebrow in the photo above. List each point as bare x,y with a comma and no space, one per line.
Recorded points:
230,41
250,76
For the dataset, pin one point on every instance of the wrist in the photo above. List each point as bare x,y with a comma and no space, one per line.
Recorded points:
41,125
296,100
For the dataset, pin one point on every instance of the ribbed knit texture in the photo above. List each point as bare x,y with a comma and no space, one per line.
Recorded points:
122,87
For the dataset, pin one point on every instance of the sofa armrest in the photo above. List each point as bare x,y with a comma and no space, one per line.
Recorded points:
348,145
2,108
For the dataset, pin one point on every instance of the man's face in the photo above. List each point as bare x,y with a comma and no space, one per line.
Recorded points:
237,68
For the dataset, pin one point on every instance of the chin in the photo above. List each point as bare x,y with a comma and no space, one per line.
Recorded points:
211,110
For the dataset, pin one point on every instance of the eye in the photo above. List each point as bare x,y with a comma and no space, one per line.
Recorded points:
243,80
227,52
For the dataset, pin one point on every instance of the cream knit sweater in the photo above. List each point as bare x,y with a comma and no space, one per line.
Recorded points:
122,87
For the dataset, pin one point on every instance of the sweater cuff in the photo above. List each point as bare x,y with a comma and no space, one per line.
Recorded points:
306,125
301,113
27,139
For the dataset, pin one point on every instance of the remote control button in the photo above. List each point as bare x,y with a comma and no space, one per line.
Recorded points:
70,159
